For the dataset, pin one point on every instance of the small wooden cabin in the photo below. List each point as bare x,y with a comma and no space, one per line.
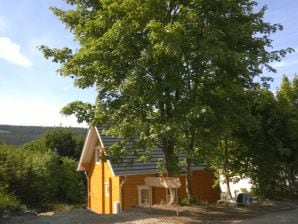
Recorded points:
115,187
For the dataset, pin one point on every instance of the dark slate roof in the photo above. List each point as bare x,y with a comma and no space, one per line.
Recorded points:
106,140
130,165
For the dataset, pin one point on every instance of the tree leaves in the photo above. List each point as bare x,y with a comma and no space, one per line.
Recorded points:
158,64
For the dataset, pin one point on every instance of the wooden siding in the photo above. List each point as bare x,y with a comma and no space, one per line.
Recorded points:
114,186
95,183
100,174
202,187
130,190
158,196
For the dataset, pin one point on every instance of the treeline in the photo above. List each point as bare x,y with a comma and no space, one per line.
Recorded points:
261,142
19,135
42,172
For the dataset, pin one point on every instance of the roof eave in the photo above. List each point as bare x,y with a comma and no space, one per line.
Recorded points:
85,149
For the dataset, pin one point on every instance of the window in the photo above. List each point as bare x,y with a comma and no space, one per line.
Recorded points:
97,155
144,193
107,189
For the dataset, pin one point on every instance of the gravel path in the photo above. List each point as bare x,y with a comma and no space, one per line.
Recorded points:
161,215
83,216
284,217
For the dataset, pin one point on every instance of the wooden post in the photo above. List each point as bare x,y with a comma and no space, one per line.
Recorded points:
176,194
103,186
150,197
110,195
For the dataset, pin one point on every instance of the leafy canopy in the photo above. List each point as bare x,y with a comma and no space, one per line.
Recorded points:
158,65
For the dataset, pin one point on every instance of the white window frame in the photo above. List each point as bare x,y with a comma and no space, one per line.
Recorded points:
144,187
96,154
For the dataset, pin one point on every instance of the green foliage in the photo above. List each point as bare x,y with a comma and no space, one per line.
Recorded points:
244,190
268,152
9,203
64,142
38,177
222,202
71,184
179,75
35,145
187,201
82,111
164,69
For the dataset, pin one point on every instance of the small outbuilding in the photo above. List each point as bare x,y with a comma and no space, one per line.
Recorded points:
115,187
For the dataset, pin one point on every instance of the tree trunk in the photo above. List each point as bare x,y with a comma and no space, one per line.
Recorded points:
227,178
188,181
168,150
172,196
189,160
291,180
224,146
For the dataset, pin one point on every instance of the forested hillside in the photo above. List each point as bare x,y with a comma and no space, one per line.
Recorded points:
19,135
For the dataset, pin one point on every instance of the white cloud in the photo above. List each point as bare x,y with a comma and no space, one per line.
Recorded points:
27,112
279,65
284,64
10,51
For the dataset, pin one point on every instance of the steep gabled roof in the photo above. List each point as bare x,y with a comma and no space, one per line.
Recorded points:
88,149
130,165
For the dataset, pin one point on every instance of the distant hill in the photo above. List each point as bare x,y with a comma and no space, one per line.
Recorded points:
19,135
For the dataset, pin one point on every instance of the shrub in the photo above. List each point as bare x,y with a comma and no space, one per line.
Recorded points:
9,203
187,201
221,202
72,186
39,178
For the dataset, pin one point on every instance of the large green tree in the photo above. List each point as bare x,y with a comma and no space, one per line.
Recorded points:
267,145
287,97
64,142
158,65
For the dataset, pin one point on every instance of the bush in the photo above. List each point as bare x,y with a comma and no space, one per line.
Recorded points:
187,201
39,177
221,202
72,186
9,203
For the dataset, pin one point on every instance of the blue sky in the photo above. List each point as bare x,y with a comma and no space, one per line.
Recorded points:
31,93
284,12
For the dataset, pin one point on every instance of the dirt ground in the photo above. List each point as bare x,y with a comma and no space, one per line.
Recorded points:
159,215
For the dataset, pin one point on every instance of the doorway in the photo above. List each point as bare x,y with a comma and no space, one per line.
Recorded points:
144,195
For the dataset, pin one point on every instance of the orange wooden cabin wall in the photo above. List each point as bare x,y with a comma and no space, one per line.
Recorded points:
202,185
130,189
100,174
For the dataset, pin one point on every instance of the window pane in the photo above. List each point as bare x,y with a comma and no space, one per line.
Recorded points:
145,196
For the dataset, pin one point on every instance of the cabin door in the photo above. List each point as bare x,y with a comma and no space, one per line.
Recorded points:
144,195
